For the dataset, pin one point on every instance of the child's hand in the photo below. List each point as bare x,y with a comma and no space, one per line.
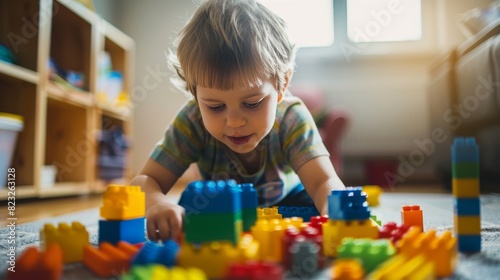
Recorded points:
164,221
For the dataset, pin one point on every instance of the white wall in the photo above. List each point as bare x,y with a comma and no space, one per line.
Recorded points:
386,95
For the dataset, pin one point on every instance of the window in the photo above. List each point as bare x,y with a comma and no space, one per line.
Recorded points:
384,20
310,22
387,25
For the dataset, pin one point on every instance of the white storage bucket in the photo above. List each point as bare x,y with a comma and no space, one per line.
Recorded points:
10,125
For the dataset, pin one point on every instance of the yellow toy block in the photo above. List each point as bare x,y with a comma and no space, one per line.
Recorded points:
72,239
347,269
402,267
463,188
268,213
214,258
467,225
335,231
439,250
160,272
123,203
269,233
372,194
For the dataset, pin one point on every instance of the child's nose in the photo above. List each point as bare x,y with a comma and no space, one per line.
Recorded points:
234,120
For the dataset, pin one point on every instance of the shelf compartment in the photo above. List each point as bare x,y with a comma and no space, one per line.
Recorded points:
78,98
71,39
21,192
19,97
65,189
69,141
20,29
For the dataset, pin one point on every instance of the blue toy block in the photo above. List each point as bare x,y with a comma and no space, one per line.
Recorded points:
156,253
464,150
469,243
304,212
211,197
132,231
349,204
467,206
249,199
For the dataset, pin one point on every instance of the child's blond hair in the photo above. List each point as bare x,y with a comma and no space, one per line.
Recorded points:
232,41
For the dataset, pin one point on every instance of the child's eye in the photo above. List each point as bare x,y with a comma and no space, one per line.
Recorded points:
217,108
252,105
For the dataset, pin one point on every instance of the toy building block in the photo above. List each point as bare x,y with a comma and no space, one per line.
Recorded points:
211,197
411,215
440,250
33,264
131,231
293,235
207,227
304,212
123,203
155,253
305,259
464,150
349,204
465,188
255,271
72,239
268,213
269,233
467,225
376,220
467,206
371,253
347,269
393,232
335,231
249,205
159,272
469,243
317,222
402,267
215,258
372,194
108,260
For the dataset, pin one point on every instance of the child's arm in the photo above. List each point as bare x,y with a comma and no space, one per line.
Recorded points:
164,220
319,178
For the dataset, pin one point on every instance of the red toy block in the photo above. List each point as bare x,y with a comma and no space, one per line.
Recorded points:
293,235
411,215
317,222
109,260
33,264
392,231
255,271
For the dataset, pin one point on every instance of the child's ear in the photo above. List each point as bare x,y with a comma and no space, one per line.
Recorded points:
288,77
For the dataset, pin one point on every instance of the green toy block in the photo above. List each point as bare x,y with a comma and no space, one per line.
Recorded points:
465,170
371,253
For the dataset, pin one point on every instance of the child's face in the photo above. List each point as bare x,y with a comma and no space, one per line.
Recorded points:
239,118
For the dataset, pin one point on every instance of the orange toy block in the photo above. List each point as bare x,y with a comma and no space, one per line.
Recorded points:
109,260
335,231
72,239
33,264
411,215
439,250
123,203
347,269
269,233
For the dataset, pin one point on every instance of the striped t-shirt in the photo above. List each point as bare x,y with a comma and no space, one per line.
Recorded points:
293,140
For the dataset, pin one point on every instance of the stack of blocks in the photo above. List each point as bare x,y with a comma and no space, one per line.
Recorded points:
348,216
465,185
122,214
216,214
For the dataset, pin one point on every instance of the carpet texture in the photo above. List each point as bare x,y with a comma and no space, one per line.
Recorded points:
437,209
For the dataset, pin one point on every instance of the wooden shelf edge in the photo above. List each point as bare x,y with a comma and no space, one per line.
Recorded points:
79,9
21,192
121,113
79,98
18,72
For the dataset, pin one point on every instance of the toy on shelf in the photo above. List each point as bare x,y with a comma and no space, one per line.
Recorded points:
465,185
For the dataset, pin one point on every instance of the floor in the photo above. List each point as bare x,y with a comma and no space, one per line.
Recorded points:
32,210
